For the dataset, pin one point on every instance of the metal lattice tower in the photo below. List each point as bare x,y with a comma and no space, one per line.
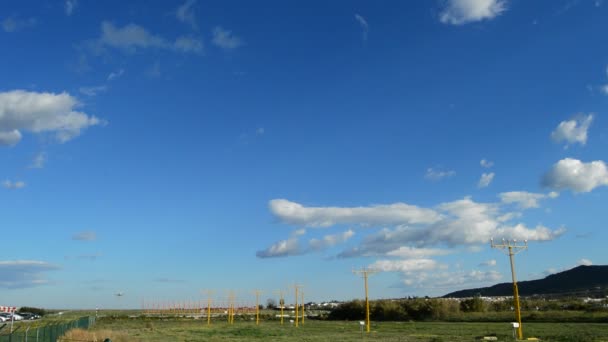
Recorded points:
512,247
365,273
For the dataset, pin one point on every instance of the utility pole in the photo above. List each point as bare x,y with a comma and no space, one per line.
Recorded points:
511,247
302,294
297,287
281,303
365,273
209,294
257,307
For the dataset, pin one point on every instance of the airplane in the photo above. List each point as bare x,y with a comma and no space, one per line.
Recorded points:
119,294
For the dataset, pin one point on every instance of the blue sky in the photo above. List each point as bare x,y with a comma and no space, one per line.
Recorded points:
162,148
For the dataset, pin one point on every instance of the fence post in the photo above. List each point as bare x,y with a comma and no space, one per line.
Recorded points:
37,329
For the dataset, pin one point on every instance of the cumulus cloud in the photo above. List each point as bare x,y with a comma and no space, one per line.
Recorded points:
38,161
486,163
133,37
448,280
397,213
459,12
225,39
14,24
463,223
282,248
115,74
330,240
185,13
576,175
485,180
406,265
407,252
524,199
437,175
188,44
93,90
24,273
129,37
13,185
364,26
573,131
87,235
488,263
35,112
10,138
584,262
70,6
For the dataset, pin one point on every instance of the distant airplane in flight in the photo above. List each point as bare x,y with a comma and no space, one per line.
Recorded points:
119,294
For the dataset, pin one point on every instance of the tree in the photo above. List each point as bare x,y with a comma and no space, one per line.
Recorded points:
271,303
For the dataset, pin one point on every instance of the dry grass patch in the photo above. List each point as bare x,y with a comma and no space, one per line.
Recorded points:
96,336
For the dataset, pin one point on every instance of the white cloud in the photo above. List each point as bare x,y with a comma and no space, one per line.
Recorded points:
225,39
70,6
24,273
407,252
114,75
41,112
14,24
185,13
129,37
406,265
13,185
133,37
437,175
364,25
449,280
10,138
330,240
458,12
397,213
486,163
282,248
463,223
93,91
188,44
604,89
488,263
38,161
585,262
576,176
573,131
524,199
87,235
485,180
260,131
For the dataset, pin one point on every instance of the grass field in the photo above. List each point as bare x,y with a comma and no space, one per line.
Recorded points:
125,329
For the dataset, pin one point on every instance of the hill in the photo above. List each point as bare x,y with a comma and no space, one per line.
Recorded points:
581,281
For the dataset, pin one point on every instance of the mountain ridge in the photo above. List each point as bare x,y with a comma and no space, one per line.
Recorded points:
581,279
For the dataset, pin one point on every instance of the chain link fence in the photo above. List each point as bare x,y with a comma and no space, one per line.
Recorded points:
24,332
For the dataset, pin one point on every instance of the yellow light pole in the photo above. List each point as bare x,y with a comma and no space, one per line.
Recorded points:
511,247
302,294
281,303
365,272
209,294
297,287
257,307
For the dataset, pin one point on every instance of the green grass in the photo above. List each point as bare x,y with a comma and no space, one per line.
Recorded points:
197,330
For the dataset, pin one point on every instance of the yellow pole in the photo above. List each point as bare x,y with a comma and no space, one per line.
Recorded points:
257,307
282,304
520,333
297,316
302,293
209,310
367,322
